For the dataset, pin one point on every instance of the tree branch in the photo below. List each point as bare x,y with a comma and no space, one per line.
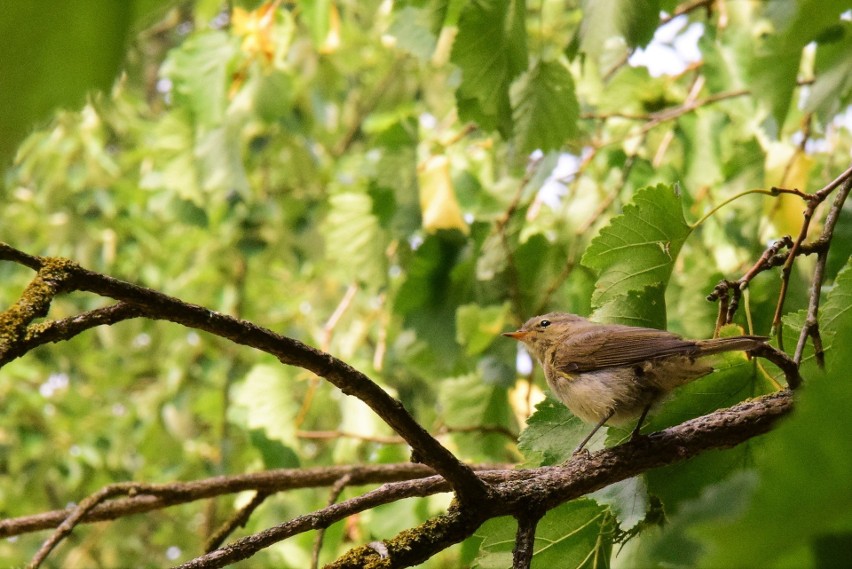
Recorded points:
63,275
150,497
237,520
728,292
811,327
522,554
520,492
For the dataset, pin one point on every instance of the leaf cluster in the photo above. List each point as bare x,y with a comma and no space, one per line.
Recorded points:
396,184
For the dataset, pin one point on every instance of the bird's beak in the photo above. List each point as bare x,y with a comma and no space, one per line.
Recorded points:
517,335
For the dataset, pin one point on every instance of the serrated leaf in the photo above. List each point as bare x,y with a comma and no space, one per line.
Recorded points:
552,434
491,50
638,248
545,108
645,308
633,20
354,241
575,535
628,500
264,400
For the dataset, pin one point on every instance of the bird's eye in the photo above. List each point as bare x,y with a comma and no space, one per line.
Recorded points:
544,323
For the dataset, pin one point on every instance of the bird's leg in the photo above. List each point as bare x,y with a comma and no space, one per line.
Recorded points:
600,424
635,433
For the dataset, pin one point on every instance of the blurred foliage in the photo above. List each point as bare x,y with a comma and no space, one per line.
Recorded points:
397,183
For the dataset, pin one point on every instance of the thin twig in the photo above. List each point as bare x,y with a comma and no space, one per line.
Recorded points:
76,515
727,292
249,545
813,201
333,496
237,520
783,361
811,327
500,227
327,333
331,435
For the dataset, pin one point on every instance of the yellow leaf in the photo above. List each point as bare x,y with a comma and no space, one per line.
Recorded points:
331,43
438,203
258,30
786,167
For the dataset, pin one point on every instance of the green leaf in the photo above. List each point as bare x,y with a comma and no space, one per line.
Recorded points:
645,308
772,74
428,297
675,545
575,535
552,434
703,147
775,65
51,56
200,72
833,69
736,379
219,161
264,400
354,242
638,248
468,402
634,20
412,28
491,50
836,310
809,457
628,500
477,326
545,108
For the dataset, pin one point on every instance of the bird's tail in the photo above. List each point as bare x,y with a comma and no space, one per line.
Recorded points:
732,344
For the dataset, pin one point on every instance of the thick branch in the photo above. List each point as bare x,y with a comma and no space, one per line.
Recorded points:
157,305
66,328
524,491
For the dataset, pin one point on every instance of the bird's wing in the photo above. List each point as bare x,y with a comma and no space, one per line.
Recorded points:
618,346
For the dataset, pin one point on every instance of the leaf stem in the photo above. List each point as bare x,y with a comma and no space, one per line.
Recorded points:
729,200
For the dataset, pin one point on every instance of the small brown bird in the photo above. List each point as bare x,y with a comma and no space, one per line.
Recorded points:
612,373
